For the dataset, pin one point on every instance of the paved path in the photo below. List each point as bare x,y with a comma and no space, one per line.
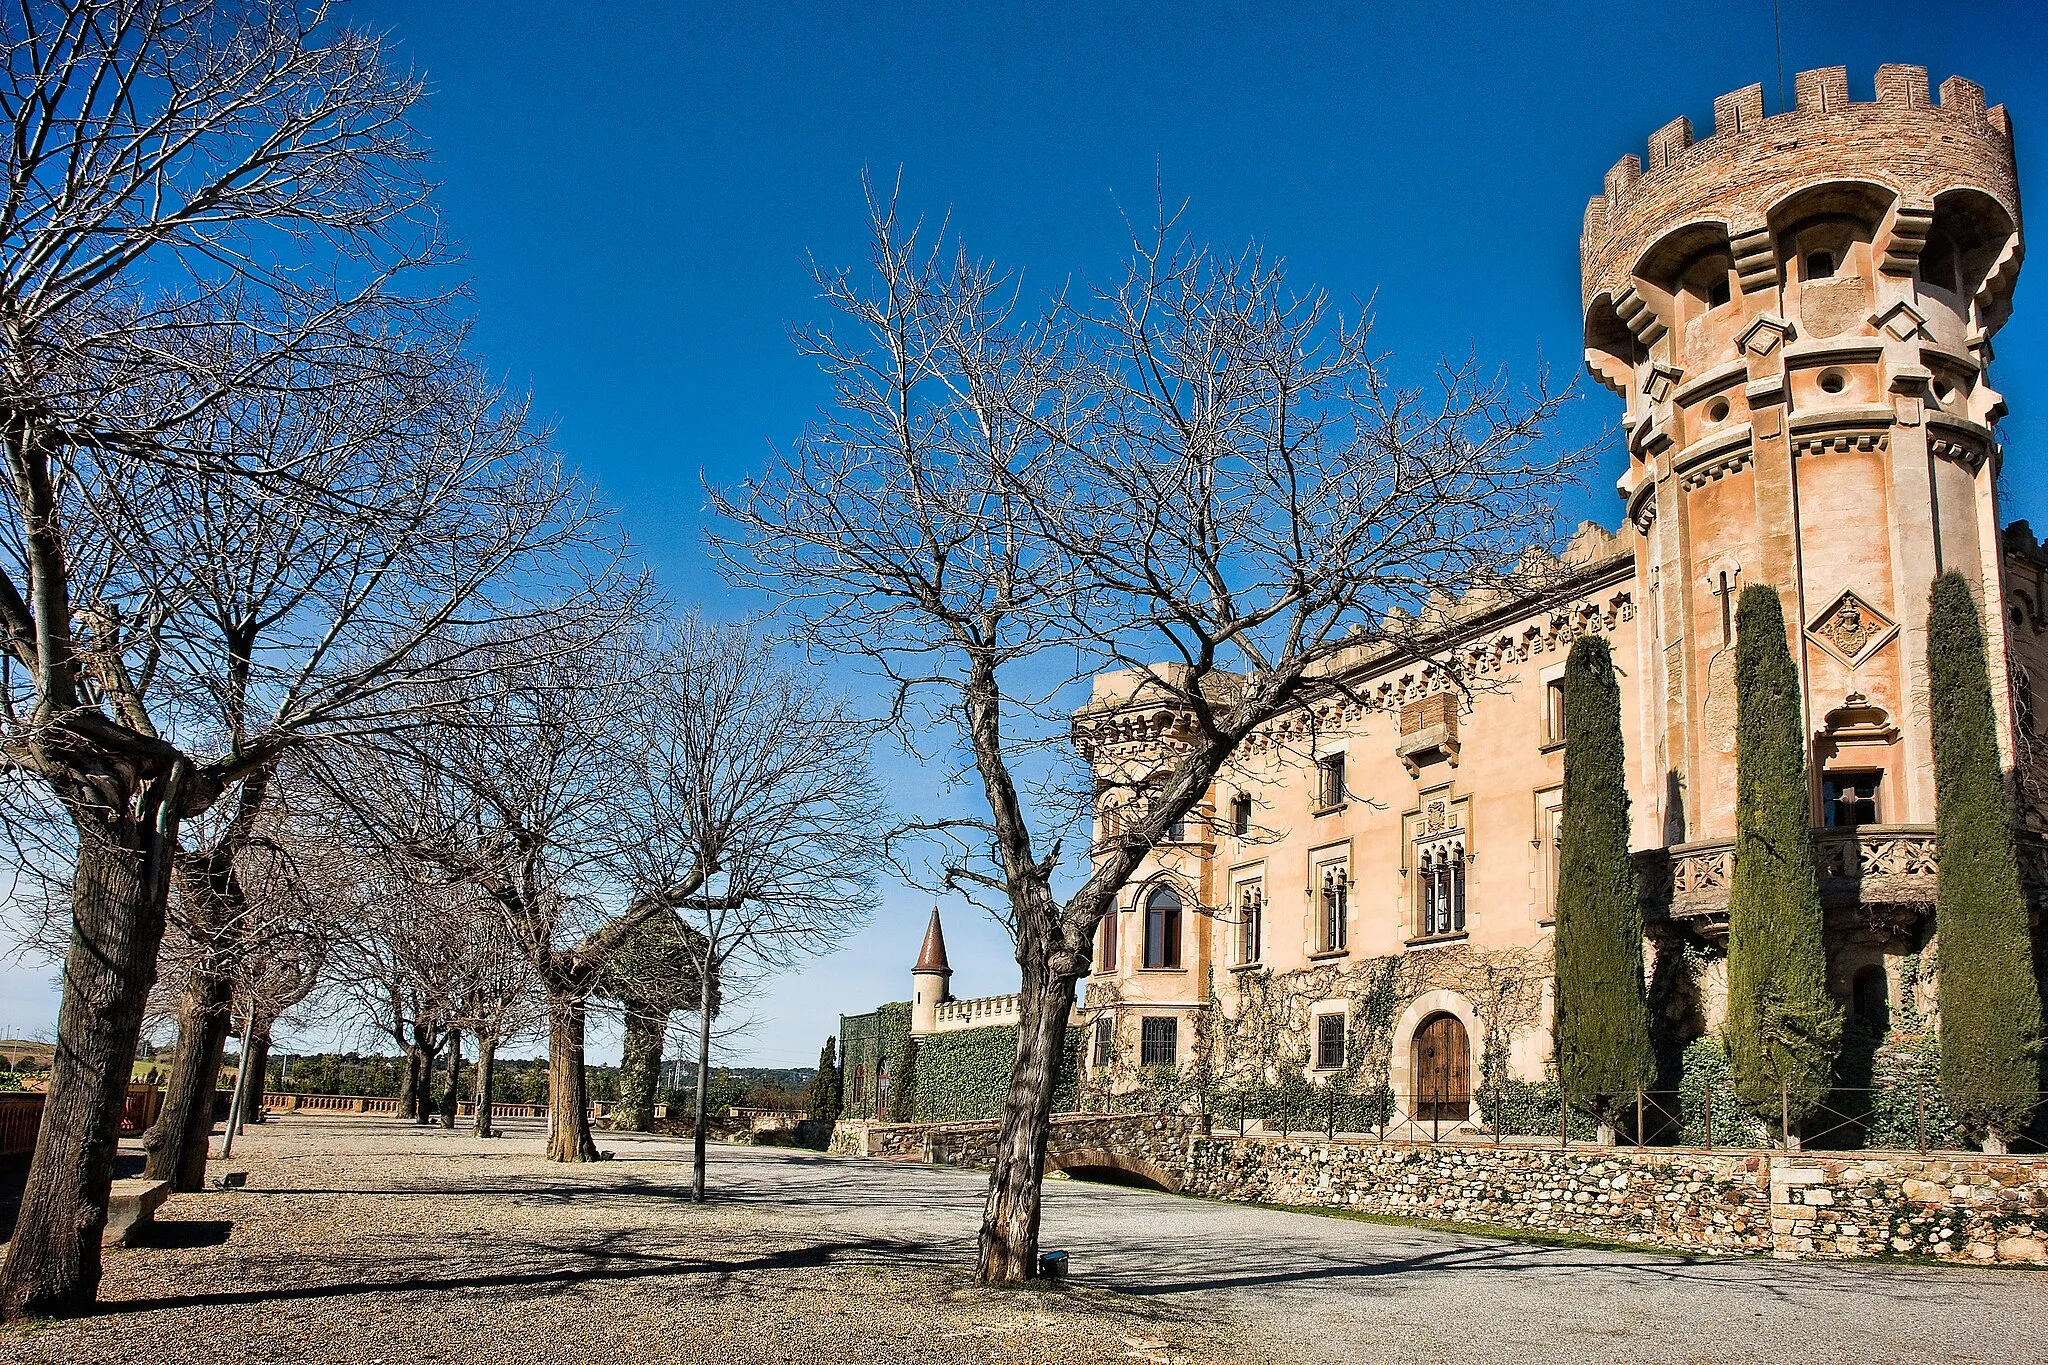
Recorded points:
1335,1290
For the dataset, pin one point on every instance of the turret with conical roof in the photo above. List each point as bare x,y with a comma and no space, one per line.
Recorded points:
930,980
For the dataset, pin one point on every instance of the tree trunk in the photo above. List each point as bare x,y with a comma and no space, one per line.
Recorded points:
486,1064
640,1066
449,1100
176,1145
259,1062
1009,1222
568,1098
118,891
424,1051
697,1135
409,1083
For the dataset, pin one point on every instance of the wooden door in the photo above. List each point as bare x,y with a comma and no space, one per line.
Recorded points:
1443,1070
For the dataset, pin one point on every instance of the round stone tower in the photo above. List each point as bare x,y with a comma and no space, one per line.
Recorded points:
1798,312
931,980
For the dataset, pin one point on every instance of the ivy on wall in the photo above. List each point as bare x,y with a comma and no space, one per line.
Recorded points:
966,1074
868,1043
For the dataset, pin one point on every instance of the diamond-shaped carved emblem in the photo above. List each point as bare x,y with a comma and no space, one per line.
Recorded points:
1902,321
1851,629
1762,336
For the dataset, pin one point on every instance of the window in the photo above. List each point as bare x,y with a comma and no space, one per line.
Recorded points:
1336,927
1443,890
1106,959
1849,799
1329,1042
1159,1042
1105,1040
1726,592
1820,265
860,1081
1251,920
1553,711
1241,816
1162,929
1330,782
1177,830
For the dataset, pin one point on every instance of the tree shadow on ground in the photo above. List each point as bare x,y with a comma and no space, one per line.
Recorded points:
643,1266
185,1233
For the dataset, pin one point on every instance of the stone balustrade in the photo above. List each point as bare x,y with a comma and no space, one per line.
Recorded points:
980,1012
1883,870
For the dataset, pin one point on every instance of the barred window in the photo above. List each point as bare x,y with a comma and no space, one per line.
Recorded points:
1329,1042
1330,781
1105,1039
1159,1042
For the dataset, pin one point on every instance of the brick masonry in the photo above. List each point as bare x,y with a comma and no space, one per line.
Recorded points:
1955,1207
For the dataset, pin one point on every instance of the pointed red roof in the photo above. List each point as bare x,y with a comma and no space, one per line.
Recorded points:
932,957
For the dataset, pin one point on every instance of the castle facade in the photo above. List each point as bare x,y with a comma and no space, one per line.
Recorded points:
1797,313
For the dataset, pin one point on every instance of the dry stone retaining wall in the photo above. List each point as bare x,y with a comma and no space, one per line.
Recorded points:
1945,1206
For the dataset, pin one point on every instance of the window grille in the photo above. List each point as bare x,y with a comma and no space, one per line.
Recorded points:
1330,781
1329,1042
1159,1042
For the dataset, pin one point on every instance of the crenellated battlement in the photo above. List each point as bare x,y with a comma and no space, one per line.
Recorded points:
1901,138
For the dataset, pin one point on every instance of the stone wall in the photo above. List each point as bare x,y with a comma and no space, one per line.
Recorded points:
1954,1207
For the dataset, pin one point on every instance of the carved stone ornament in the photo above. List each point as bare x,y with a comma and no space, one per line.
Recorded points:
1438,817
1851,629
1762,336
1902,321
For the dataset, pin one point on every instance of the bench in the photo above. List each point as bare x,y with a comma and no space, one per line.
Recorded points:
131,1208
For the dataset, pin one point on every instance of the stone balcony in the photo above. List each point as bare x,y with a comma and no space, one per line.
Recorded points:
1875,876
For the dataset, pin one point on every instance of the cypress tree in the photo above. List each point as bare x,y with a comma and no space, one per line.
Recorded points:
1990,1002
1602,1032
822,1100
1783,1028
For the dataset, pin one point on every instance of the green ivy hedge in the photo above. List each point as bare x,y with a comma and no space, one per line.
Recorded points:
966,1075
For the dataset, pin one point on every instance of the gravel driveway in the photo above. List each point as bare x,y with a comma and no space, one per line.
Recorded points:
367,1240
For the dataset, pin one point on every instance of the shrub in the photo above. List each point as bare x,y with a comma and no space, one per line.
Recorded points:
1990,1003
1602,1033
1783,1028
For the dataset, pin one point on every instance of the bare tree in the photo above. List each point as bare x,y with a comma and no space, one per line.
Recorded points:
1202,478
752,768
501,1000
516,793
210,208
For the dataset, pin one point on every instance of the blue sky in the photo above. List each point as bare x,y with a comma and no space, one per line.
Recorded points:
637,188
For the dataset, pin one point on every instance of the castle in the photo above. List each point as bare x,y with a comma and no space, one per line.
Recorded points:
1797,313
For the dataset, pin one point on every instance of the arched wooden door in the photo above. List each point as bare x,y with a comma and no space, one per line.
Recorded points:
1443,1070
